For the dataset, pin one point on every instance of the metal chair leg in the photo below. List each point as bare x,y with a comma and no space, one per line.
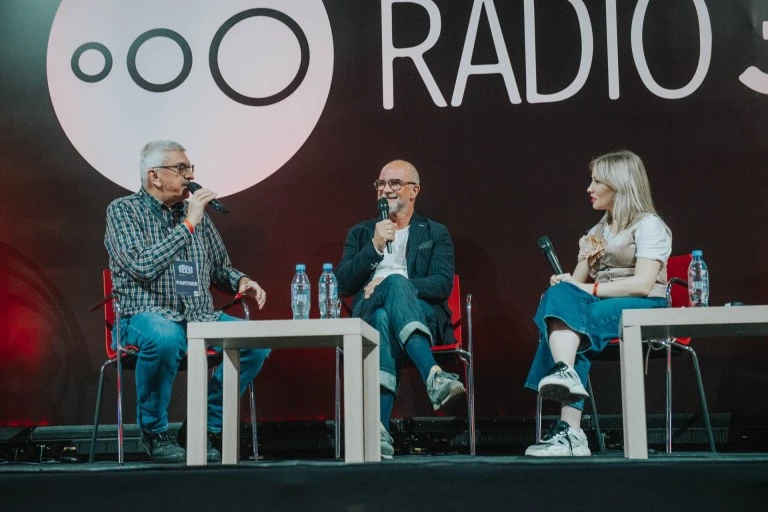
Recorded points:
97,413
668,418
471,409
538,417
469,378
469,375
704,408
337,408
595,417
119,364
254,435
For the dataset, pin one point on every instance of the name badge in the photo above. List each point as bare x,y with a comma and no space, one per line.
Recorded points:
185,278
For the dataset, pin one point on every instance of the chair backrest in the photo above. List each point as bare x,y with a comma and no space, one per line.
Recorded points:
454,303
677,266
109,313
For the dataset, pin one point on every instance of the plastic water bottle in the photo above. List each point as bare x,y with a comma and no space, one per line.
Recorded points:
698,281
300,293
328,293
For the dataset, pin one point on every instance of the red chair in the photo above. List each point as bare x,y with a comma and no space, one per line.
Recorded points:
455,350
127,360
677,272
461,354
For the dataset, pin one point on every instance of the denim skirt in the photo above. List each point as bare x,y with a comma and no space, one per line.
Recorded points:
595,320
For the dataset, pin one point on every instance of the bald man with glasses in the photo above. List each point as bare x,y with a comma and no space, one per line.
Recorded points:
403,293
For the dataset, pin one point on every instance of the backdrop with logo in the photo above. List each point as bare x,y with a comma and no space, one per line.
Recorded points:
290,109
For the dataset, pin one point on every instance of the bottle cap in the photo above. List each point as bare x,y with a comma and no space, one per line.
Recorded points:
300,267
697,252
327,266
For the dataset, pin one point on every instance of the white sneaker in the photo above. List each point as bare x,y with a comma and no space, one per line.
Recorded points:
444,388
385,441
561,441
562,384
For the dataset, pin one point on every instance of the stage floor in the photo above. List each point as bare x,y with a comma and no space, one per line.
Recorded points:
613,457
685,481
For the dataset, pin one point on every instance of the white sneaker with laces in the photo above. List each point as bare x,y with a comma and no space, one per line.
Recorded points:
561,441
444,388
562,384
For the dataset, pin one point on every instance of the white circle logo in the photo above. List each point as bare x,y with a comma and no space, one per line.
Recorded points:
241,84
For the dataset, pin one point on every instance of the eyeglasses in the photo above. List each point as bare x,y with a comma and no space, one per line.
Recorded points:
183,169
393,184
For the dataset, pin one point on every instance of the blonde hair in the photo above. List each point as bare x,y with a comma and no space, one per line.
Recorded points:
624,172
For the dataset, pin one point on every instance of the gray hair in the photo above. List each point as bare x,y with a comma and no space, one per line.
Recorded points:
153,155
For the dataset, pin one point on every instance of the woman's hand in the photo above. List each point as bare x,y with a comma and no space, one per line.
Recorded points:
556,278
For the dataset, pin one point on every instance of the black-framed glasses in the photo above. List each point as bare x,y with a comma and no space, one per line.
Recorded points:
394,184
183,169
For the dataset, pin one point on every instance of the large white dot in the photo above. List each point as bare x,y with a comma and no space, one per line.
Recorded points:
109,121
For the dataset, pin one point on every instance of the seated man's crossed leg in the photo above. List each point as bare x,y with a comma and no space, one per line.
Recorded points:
403,322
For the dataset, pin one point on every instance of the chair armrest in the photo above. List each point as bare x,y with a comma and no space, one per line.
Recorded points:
674,280
238,299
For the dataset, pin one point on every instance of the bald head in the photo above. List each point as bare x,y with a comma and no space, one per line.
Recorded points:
407,169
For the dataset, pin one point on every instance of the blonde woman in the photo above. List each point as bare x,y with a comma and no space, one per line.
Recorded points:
622,264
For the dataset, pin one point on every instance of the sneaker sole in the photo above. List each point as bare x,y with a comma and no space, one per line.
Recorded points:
560,451
562,394
456,393
387,457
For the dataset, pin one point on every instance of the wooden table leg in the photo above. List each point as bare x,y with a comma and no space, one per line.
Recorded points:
353,400
371,408
197,402
633,394
230,436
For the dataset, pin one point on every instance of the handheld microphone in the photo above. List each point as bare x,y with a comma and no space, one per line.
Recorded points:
192,187
545,244
384,211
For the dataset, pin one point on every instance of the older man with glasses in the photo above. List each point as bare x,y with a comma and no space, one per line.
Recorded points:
164,254
401,270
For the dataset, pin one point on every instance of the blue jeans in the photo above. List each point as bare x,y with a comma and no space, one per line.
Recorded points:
162,345
395,310
596,321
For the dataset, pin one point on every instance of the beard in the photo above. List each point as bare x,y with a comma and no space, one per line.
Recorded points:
398,205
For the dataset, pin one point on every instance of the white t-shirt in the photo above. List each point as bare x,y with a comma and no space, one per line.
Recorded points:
651,238
395,263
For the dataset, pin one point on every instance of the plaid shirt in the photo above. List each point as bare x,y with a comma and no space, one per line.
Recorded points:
144,237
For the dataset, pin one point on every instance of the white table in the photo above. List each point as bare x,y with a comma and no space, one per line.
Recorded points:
359,341
640,324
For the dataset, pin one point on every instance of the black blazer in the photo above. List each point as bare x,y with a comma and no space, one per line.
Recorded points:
430,262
